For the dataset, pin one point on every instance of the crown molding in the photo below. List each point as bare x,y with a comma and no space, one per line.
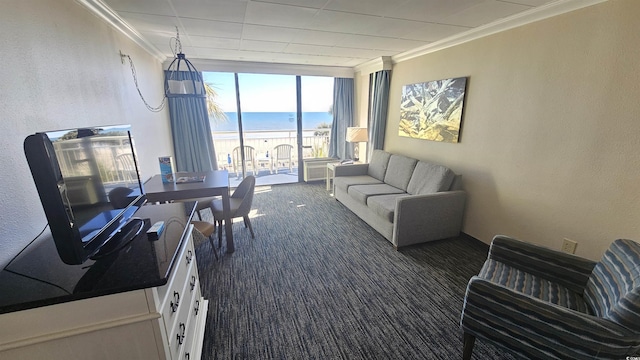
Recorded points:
374,65
101,10
527,17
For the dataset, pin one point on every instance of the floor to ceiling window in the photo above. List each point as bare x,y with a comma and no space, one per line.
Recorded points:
259,133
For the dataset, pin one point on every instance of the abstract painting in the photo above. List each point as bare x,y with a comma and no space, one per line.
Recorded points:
433,110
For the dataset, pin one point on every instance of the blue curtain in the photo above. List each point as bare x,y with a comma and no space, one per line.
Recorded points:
379,107
191,131
343,90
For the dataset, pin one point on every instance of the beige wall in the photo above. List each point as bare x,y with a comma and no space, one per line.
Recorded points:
550,140
61,70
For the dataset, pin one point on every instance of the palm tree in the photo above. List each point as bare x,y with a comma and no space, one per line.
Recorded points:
213,108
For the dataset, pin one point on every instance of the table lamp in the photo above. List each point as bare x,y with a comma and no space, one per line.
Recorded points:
357,135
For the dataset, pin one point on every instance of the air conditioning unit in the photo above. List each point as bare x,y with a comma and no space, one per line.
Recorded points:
316,169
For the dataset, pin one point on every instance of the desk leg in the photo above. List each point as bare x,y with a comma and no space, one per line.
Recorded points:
228,225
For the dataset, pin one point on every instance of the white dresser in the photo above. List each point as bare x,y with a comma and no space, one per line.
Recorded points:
165,322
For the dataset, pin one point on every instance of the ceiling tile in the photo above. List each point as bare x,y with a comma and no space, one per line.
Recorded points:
333,51
315,4
212,28
380,43
268,33
224,10
269,46
429,32
314,37
279,15
215,42
152,7
484,13
370,7
430,11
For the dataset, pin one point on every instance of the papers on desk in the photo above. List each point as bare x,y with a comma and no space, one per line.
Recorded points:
189,179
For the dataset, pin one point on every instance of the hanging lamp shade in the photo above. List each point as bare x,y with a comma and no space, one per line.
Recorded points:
182,79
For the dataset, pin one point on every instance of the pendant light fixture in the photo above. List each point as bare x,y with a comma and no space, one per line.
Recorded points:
182,79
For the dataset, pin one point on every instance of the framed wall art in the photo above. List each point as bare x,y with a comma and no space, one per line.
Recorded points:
433,110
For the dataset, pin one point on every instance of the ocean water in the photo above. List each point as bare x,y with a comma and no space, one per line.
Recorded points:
253,121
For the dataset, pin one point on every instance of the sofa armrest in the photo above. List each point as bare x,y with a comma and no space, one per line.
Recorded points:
351,170
489,306
420,218
567,269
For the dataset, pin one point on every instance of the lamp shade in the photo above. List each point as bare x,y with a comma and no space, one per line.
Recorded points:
357,134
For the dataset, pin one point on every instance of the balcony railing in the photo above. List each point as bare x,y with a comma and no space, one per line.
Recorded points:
315,143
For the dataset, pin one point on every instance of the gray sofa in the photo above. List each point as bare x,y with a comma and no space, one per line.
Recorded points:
406,200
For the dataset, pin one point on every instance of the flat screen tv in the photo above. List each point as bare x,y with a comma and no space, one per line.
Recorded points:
89,186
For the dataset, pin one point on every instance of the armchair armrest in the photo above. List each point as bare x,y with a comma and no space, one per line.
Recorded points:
351,170
430,216
566,269
574,334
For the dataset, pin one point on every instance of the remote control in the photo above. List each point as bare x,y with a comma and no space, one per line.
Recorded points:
156,229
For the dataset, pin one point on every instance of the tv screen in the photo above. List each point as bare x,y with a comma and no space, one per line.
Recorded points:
88,183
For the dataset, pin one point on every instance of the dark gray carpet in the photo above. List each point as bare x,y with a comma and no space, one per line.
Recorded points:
318,283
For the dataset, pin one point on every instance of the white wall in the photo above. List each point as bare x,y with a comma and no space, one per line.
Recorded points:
62,69
550,139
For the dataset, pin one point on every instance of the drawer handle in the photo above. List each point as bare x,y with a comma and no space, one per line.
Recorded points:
176,301
189,256
181,334
193,282
197,308
186,356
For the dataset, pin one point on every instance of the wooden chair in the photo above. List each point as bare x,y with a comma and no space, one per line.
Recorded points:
207,229
249,160
281,156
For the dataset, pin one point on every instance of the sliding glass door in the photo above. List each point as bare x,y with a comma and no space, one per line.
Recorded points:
268,123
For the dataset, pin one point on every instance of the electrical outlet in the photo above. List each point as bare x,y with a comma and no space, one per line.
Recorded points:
569,246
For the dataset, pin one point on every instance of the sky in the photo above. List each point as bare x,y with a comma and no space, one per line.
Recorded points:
271,93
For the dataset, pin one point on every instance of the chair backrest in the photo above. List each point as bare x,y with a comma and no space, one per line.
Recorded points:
613,289
245,192
249,154
126,167
282,152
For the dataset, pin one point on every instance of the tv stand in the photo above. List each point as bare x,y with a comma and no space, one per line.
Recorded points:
104,317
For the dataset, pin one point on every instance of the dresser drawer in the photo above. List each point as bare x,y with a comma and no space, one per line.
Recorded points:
188,352
182,330
183,261
181,296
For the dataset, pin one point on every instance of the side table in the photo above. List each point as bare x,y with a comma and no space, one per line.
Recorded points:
331,168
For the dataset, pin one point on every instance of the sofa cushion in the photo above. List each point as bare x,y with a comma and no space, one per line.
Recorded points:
384,205
362,192
430,178
343,182
399,171
378,164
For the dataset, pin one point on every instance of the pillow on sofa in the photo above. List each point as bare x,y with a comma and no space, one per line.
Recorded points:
378,164
399,171
430,178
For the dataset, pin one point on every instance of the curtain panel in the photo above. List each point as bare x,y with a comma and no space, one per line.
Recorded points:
191,132
379,107
343,94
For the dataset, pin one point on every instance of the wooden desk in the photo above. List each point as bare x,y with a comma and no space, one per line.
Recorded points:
216,183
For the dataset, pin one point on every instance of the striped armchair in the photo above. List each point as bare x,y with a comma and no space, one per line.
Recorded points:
544,304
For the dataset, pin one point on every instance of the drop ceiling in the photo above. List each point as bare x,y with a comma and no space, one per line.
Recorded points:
343,33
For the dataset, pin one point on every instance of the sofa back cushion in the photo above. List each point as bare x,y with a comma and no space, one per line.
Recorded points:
378,164
430,178
399,171
613,289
